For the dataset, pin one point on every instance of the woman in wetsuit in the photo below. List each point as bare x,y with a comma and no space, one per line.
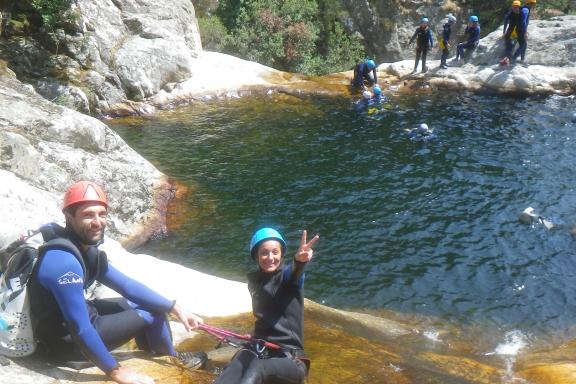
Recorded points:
277,291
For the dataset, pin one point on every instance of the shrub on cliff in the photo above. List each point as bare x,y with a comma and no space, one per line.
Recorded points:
293,35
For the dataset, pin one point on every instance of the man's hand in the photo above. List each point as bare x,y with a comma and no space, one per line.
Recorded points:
305,251
189,320
123,375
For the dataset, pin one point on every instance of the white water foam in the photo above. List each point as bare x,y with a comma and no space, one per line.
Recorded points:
514,342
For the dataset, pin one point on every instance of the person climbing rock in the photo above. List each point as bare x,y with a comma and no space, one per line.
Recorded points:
511,31
364,74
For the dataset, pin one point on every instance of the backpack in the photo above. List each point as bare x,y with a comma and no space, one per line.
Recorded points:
17,263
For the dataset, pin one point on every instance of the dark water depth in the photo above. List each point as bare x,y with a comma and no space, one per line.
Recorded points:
428,229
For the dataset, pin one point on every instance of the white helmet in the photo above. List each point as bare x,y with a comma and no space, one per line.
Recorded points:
367,94
451,18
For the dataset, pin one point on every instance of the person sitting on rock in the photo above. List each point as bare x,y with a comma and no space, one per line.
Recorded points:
77,332
277,291
365,73
424,42
511,31
444,42
525,12
473,33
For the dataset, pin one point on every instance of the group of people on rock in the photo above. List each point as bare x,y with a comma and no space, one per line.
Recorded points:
74,331
515,32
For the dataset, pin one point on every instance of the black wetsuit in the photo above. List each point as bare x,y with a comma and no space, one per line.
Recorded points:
424,42
278,305
362,72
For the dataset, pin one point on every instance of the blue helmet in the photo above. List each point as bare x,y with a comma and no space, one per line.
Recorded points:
424,20
371,64
377,90
474,19
264,234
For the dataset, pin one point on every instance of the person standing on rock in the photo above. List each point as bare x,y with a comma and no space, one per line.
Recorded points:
525,12
424,42
77,332
277,291
365,72
512,31
473,33
444,43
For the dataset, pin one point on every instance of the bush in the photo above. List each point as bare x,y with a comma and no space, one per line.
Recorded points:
53,12
291,35
214,33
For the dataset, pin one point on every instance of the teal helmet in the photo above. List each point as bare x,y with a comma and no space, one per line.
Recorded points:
424,20
377,90
371,64
474,19
262,235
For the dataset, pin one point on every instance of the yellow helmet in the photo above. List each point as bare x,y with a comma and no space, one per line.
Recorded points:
530,1
517,3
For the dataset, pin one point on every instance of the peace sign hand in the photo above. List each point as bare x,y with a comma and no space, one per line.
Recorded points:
305,251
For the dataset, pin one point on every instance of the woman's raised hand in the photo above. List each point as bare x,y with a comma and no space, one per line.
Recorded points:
305,251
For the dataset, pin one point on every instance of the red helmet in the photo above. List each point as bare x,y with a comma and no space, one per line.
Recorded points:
82,192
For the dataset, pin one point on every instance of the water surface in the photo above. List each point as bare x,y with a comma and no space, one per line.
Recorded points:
429,229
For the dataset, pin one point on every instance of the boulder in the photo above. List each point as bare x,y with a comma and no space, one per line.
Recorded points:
45,147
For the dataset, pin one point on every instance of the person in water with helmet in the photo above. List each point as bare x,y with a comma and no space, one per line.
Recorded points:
512,31
424,42
365,73
444,42
473,33
77,332
277,290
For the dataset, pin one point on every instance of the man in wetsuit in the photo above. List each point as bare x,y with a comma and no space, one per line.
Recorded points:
71,329
525,12
473,32
444,43
511,31
424,43
365,72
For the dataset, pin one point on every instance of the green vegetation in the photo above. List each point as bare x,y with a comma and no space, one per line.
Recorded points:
304,36
53,12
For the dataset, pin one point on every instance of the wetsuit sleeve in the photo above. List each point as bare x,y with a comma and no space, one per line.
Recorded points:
375,76
445,35
61,274
506,21
474,35
413,37
293,273
430,38
524,19
135,291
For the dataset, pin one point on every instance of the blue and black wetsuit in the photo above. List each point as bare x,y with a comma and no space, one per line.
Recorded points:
522,31
278,305
363,72
511,23
473,33
424,42
446,32
70,328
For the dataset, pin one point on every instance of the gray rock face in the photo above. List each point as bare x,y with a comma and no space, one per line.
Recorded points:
549,66
121,50
45,147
